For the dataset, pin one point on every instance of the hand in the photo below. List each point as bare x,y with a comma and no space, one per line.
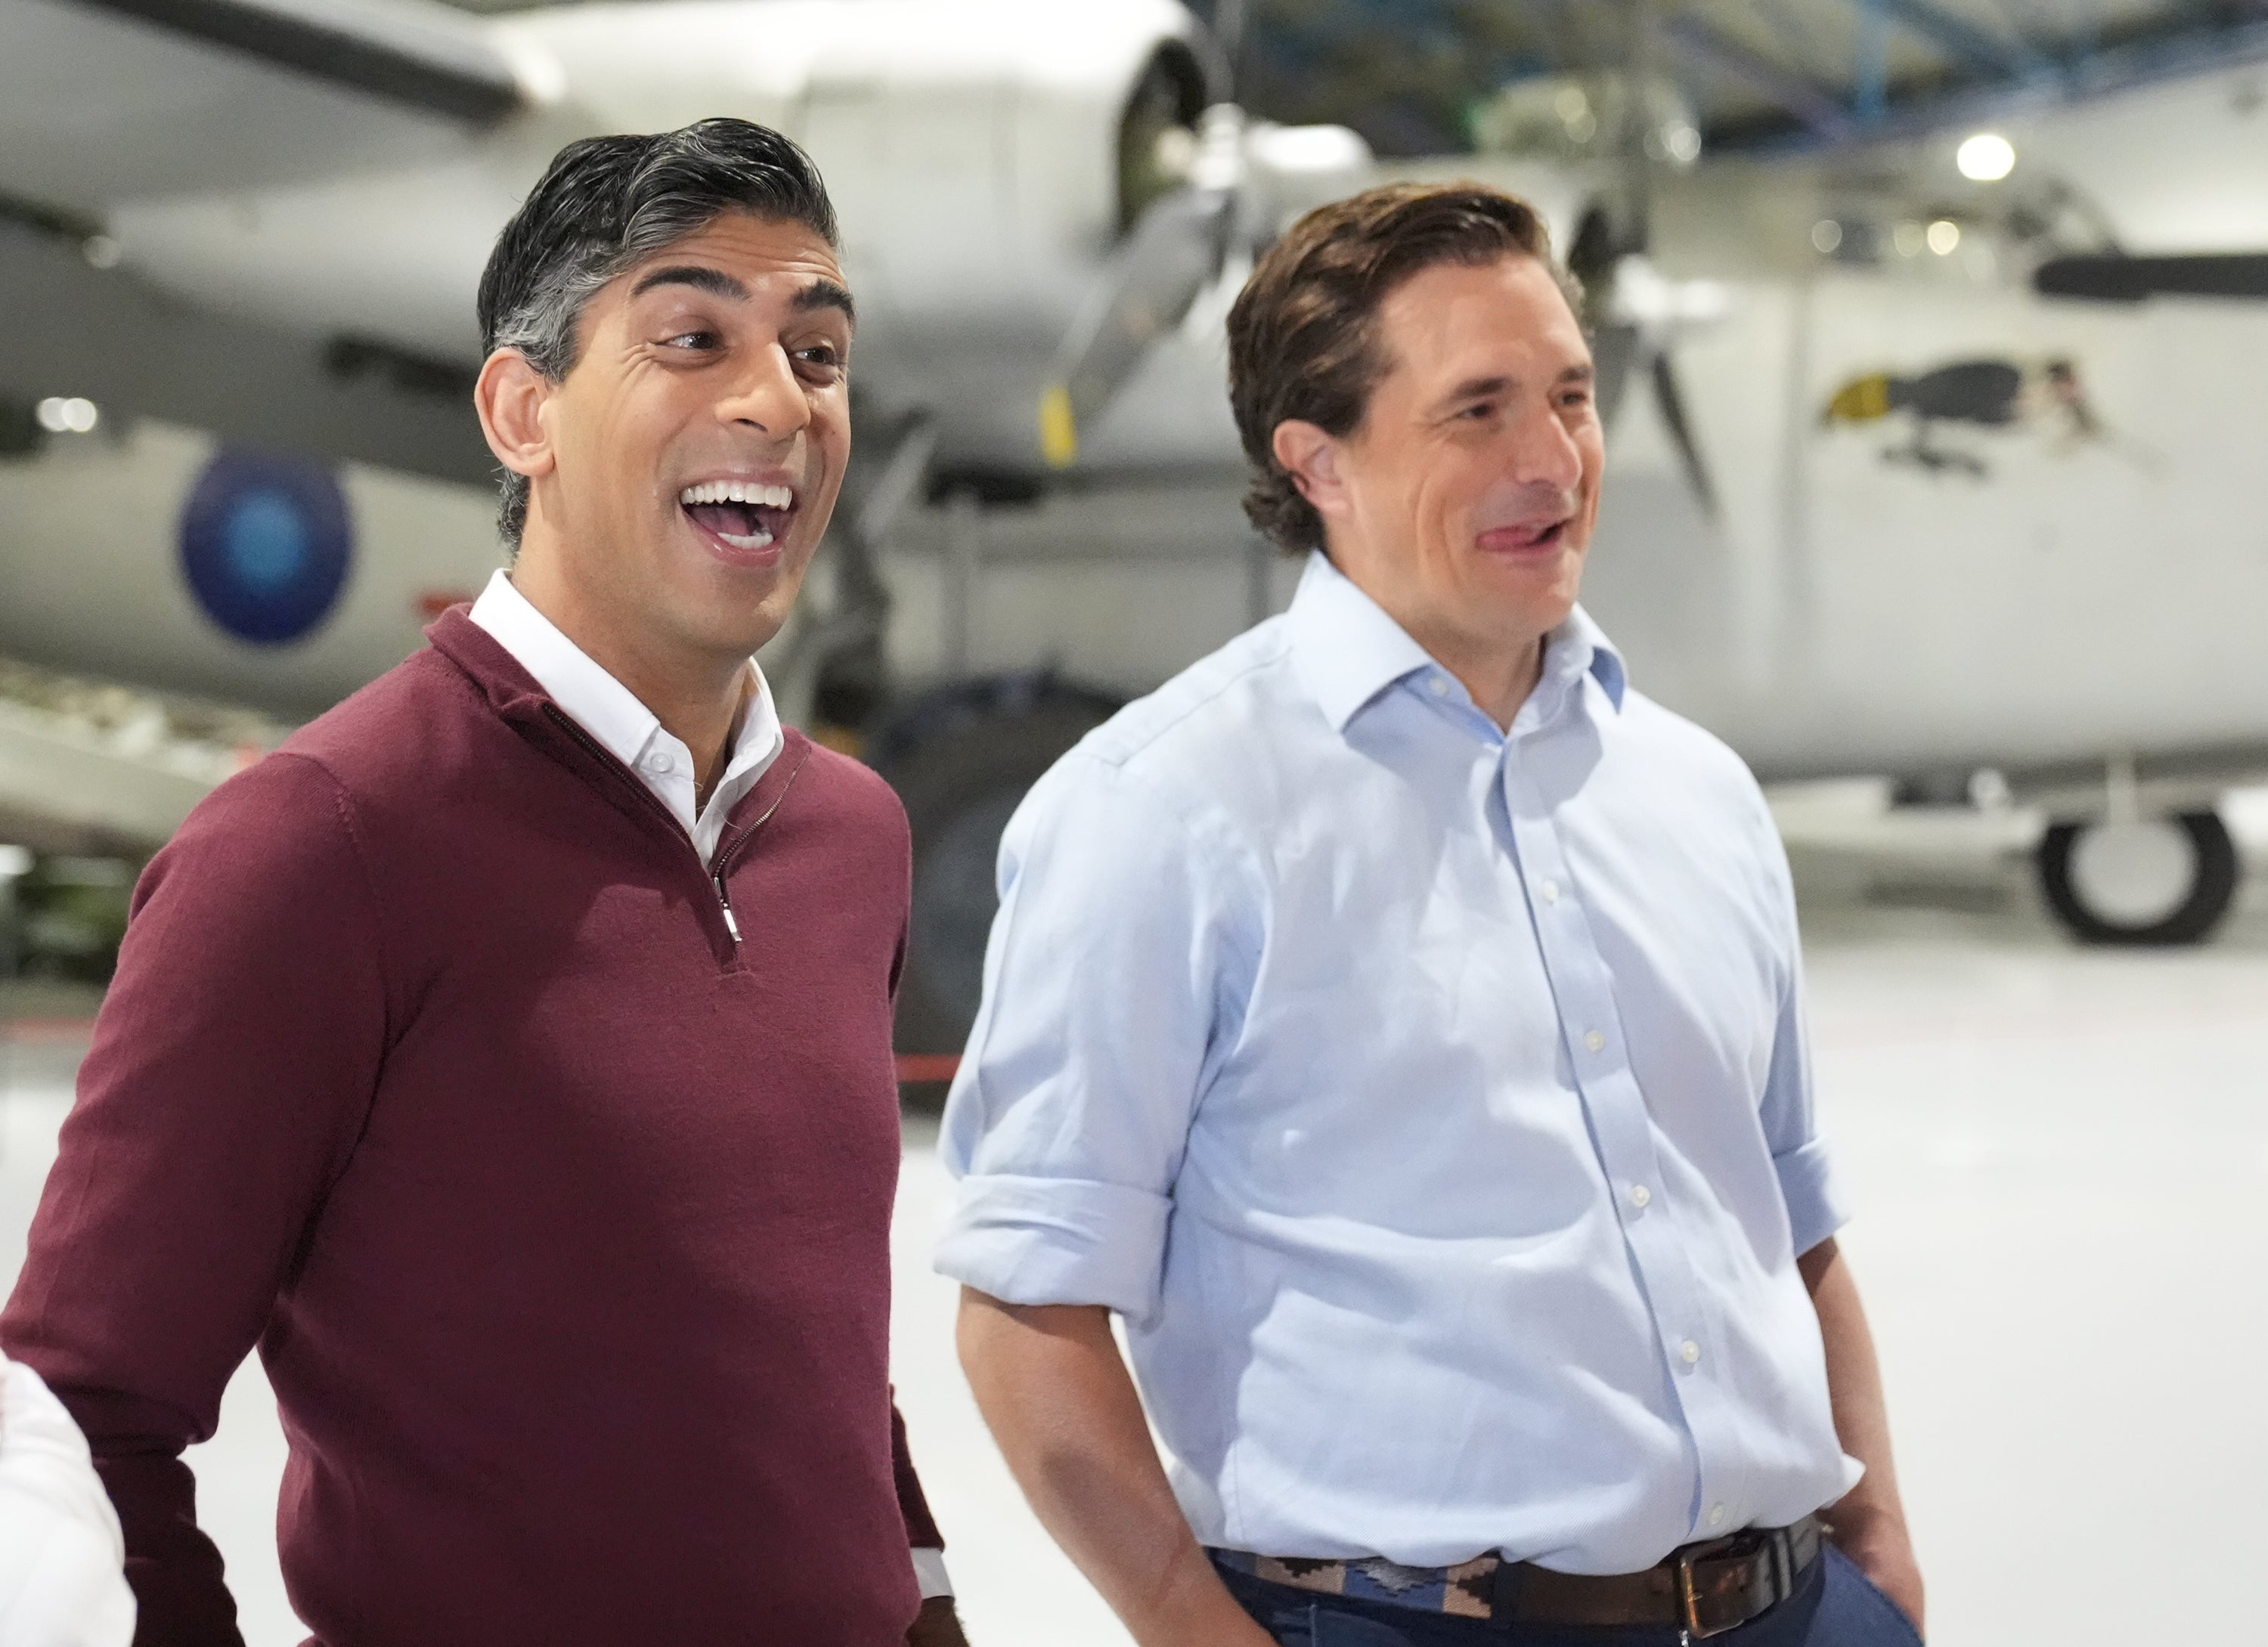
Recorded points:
1884,1553
936,1625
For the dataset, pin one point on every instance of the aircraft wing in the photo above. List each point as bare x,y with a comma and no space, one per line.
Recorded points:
108,100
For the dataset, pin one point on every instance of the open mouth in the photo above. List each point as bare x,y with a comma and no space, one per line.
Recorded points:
744,516
1527,537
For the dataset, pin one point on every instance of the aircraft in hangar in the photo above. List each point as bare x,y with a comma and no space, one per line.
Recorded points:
1923,511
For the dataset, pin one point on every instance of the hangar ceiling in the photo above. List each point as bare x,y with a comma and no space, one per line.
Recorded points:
1413,75
1758,74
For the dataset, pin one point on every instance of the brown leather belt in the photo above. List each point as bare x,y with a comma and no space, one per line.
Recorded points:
1704,1588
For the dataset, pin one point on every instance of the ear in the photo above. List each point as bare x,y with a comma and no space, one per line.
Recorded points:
510,396
1311,458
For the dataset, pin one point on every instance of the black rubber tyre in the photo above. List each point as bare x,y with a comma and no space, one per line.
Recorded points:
959,788
2212,889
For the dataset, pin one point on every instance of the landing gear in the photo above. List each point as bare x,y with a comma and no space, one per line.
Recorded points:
2140,881
961,761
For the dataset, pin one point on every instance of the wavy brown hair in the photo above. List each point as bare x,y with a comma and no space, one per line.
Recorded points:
1303,334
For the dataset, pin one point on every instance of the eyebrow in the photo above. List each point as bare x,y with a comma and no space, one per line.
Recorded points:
821,293
698,276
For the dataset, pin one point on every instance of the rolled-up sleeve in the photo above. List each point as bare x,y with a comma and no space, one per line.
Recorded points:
1102,1011
1815,1208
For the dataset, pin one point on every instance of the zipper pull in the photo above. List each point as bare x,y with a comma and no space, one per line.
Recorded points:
725,903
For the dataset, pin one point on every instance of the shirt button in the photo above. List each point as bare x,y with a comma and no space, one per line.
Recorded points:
1438,687
1716,1515
1640,1195
1550,890
1596,1041
1690,1352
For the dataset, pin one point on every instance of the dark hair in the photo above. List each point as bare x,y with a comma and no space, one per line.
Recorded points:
1302,336
606,202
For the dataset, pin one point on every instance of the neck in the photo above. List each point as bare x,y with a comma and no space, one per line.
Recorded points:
1496,670
698,696
1499,679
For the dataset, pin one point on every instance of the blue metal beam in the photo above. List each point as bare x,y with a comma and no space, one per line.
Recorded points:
1955,37
1705,47
2100,73
1870,74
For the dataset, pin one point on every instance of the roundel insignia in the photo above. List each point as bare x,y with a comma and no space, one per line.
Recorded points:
266,544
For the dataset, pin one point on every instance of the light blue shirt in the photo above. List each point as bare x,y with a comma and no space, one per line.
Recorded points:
1433,1103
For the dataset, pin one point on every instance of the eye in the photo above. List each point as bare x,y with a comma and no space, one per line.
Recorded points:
822,358
1478,413
691,341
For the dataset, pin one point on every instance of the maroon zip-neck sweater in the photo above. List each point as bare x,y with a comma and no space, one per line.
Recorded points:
559,1214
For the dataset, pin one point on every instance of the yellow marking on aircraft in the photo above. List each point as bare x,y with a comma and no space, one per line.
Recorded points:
1058,428
1860,400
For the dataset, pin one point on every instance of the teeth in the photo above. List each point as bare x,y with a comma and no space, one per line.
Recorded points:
757,540
739,492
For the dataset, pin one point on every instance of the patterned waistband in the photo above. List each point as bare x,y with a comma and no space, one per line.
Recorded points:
1466,1590
1709,1586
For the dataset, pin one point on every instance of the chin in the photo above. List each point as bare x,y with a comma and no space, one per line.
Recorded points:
738,633
1535,576
733,609
1532,601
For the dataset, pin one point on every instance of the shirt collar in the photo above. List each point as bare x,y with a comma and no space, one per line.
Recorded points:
760,739
600,704
1585,648
1347,650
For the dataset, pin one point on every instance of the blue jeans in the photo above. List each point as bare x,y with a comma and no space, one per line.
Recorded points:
1833,1606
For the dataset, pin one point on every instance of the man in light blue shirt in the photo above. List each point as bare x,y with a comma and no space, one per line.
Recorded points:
1396,1020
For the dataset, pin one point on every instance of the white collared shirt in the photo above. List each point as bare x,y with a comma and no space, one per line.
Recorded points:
625,728
1431,1100
629,732
62,1577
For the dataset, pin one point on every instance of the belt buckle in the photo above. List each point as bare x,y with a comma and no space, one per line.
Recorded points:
1689,1595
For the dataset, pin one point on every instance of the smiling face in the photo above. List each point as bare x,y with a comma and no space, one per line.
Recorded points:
683,470
1464,500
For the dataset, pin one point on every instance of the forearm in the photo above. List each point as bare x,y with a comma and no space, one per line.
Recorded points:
1868,1522
1056,1395
1854,1384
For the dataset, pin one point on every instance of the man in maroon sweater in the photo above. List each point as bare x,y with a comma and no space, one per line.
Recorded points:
508,1056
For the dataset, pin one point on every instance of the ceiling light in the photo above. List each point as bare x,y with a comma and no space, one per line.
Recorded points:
1944,235
60,415
1826,235
1986,158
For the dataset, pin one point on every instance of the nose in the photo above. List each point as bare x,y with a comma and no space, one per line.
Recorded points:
1545,450
768,396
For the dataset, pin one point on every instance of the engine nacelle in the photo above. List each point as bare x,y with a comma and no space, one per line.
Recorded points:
977,152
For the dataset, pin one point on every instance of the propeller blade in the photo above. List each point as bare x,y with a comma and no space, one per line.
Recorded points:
2121,277
1614,351
1176,251
1228,27
1671,402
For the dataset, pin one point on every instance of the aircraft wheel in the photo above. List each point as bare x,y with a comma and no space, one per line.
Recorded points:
960,787
2146,881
